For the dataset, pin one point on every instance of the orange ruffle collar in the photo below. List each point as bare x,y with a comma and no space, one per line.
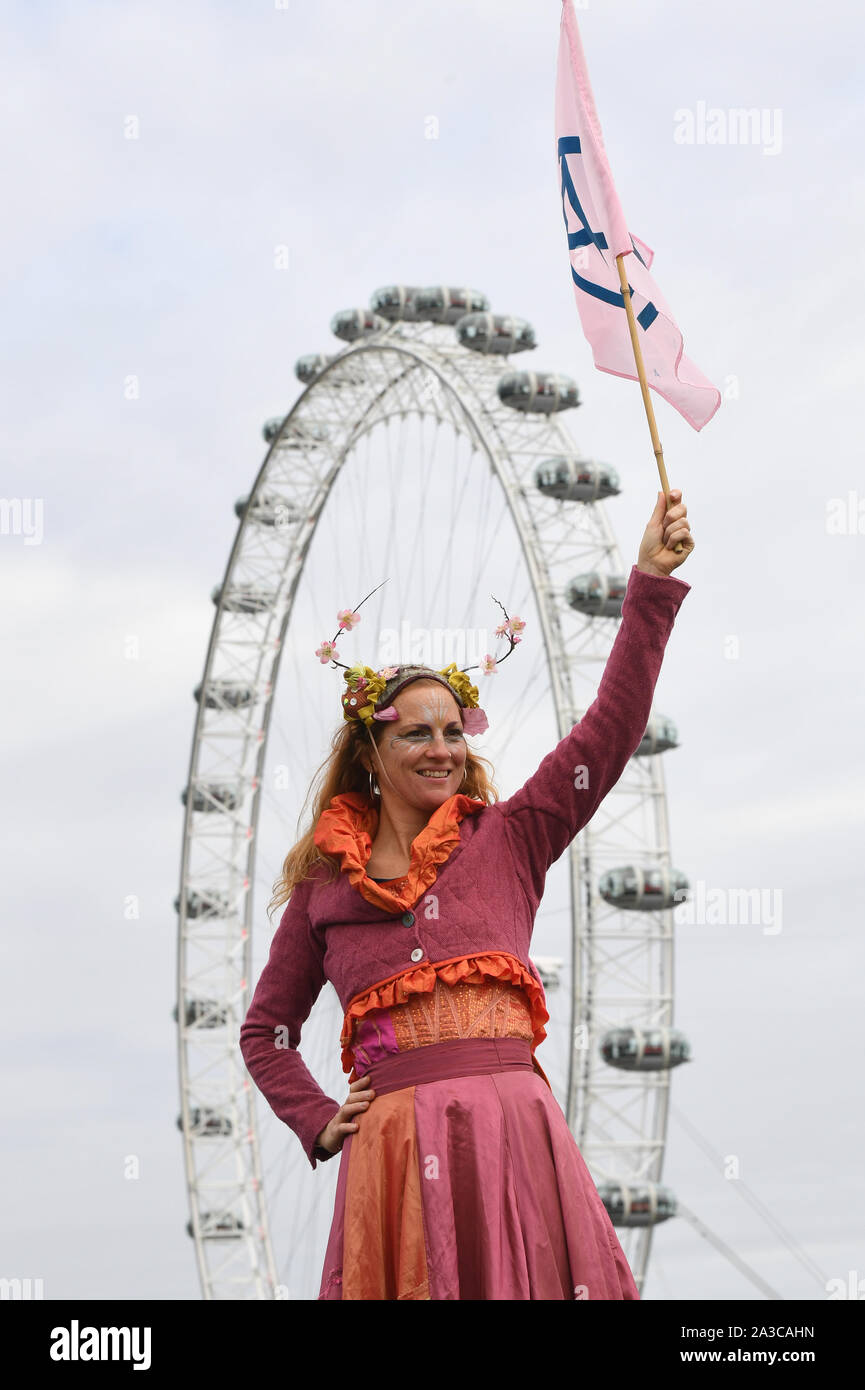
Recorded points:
345,830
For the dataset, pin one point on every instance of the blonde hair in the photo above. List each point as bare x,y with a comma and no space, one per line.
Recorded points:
343,770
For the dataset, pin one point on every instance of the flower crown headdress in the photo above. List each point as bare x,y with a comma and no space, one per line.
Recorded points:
369,694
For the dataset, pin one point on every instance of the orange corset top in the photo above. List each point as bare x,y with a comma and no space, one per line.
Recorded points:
493,1009
483,996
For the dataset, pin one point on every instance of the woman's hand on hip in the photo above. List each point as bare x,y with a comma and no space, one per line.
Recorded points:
346,1119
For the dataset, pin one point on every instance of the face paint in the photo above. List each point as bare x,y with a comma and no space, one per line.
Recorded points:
421,759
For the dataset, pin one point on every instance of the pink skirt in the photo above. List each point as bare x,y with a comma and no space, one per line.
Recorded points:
463,1181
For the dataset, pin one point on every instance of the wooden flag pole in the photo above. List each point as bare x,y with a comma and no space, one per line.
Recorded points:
641,372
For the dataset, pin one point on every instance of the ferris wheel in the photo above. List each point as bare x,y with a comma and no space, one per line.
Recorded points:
417,454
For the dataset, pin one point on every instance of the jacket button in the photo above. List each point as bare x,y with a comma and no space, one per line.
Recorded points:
417,953
408,919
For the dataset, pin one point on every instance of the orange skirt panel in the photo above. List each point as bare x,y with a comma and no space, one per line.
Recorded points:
384,1253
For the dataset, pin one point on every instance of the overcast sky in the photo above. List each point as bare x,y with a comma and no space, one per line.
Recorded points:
305,126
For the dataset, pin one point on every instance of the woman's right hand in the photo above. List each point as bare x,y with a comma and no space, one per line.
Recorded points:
665,529
335,1132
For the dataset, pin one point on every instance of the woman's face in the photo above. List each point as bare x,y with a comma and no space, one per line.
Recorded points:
423,753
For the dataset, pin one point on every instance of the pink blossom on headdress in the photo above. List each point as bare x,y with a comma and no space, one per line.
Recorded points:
389,713
474,721
512,628
327,652
388,672
347,619
488,665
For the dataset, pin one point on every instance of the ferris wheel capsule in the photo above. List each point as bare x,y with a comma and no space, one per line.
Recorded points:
224,694
213,903
443,304
244,597
597,595
539,393
549,969
202,1013
218,1225
640,1204
311,365
643,890
497,333
268,509
351,324
661,735
204,1122
576,480
645,1049
212,796
299,434
395,302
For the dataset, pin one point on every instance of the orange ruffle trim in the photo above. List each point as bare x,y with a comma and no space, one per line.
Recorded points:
345,829
420,979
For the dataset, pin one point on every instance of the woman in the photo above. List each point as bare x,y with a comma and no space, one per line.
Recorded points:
415,892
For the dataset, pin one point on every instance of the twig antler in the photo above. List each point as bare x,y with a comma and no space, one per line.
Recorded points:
354,610
511,638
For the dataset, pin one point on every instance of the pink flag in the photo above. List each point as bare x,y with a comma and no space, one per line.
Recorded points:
597,233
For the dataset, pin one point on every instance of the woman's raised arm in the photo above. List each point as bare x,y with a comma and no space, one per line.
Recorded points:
544,816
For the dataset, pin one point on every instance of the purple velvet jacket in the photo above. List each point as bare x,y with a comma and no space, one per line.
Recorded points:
488,890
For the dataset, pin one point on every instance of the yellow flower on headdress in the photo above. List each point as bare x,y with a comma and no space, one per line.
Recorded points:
372,692
354,674
362,680
460,682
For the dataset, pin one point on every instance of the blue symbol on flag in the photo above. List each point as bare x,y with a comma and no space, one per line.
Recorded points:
570,144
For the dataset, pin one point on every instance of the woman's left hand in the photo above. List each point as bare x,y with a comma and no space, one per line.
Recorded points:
665,529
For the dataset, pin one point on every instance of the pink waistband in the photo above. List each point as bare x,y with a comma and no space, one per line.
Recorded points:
456,1057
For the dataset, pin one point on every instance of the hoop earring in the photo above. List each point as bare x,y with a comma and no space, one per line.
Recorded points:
373,789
